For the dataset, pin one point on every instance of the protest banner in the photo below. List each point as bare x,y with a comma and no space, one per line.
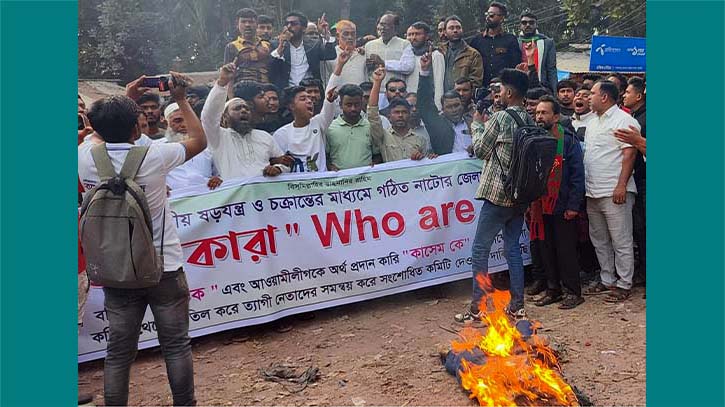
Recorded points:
618,54
264,248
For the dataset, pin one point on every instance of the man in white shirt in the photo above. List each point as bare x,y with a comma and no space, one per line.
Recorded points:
304,139
418,35
115,120
239,151
198,170
610,191
295,58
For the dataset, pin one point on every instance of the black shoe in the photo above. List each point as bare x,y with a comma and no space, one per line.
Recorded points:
571,301
84,398
537,288
550,298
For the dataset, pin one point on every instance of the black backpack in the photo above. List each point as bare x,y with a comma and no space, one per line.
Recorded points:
532,158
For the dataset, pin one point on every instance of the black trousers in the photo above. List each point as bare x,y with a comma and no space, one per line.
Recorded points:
558,253
639,217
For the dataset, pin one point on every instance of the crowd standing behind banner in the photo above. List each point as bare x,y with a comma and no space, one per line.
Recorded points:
386,99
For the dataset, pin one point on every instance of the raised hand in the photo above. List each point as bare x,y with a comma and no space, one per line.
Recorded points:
332,94
379,74
134,90
178,84
226,73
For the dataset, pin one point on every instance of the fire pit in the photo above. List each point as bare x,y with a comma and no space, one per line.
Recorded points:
506,364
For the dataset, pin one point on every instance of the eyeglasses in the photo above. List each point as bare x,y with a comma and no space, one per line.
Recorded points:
292,23
394,90
528,22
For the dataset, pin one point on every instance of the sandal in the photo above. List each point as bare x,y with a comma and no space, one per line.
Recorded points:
548,299
617,295
571,301
599,288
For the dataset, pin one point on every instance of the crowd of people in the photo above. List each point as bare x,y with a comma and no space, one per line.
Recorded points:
385,99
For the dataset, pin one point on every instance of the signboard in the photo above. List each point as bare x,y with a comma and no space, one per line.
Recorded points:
618,54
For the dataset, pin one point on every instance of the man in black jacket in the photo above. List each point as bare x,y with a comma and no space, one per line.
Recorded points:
552,218
449,132
295,59
544,50
498,49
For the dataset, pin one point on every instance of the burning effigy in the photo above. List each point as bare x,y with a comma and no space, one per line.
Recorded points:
503,363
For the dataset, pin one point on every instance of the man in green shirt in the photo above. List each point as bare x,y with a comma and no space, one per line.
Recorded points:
349,144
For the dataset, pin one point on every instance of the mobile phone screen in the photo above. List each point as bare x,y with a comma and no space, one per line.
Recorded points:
151,82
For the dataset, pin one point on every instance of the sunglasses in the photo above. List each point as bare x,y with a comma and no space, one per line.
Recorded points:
528,22
396,90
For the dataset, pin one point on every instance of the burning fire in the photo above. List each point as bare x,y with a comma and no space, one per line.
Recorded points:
516,371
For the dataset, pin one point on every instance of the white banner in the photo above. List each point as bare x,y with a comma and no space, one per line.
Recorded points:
261,249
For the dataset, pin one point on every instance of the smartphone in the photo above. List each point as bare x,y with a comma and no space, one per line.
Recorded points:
81,123
160,82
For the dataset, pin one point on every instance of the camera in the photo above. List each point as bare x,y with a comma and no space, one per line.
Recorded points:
160,82
481,99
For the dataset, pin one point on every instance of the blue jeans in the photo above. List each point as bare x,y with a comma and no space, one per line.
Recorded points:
125,308
491,220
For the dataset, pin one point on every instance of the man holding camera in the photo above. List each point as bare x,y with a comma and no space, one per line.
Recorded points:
494,144
115,121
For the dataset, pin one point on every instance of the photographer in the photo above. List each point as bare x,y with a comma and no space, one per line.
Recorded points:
115,121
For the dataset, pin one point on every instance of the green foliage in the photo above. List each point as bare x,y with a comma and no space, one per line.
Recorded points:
122,39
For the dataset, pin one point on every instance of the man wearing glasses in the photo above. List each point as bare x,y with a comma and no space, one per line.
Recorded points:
498,49
297,58
541,49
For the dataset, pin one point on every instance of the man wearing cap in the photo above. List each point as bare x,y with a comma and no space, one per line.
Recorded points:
197,171
239,151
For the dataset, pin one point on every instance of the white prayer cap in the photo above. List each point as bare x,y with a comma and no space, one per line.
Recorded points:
170,109
229,102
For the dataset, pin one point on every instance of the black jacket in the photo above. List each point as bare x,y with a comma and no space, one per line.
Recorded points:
440,129
316,52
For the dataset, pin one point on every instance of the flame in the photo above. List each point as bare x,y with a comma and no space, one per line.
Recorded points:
516,371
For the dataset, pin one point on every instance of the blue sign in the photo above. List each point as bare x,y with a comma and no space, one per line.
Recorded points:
617,54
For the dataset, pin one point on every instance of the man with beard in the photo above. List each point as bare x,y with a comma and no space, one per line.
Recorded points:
399,142
265,27
442,31
296,57
250,53
238,151
544,50
565,95
349,144
532,99
198,170
449,132
394,88
552,218
150,103
493,142
418,35
582,114
498,49
461,60
304,139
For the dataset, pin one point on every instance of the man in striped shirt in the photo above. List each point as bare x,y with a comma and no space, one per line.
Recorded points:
494,144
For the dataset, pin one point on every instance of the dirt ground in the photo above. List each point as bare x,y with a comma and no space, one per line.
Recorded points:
383,352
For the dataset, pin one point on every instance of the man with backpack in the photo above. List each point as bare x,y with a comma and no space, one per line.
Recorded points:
130,241
494,143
